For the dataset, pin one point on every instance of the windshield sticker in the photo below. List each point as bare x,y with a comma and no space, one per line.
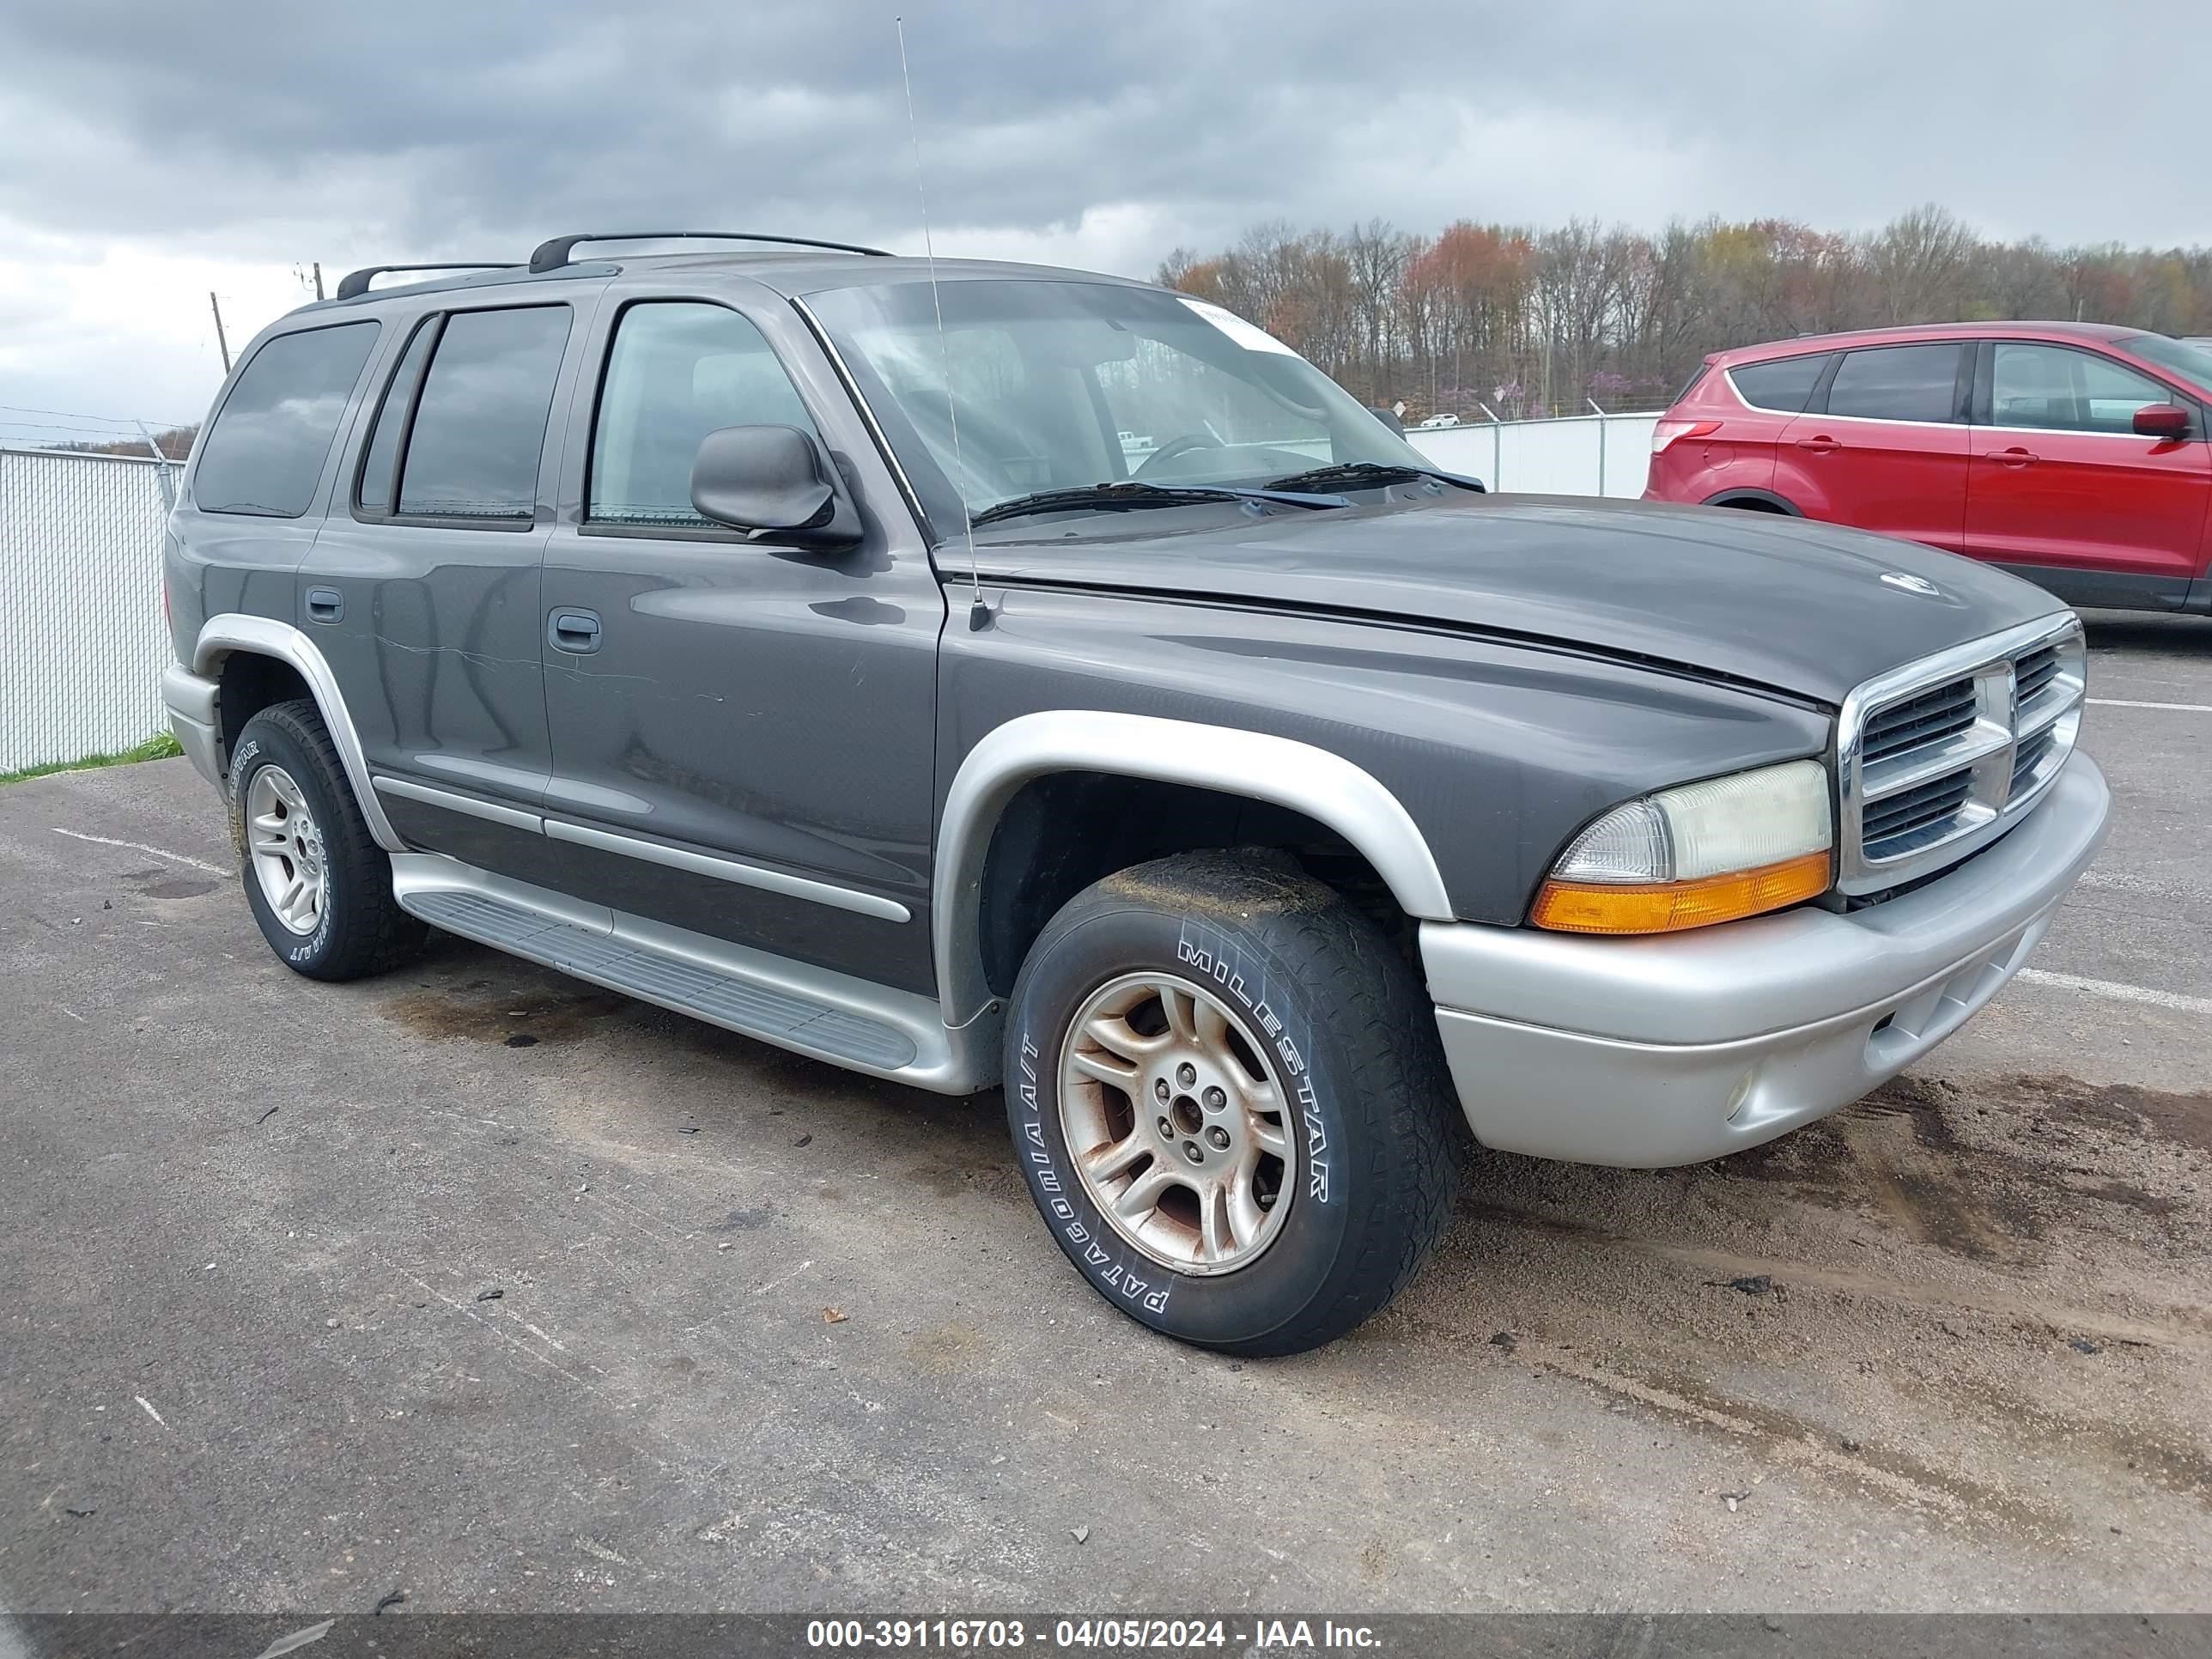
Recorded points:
1245,334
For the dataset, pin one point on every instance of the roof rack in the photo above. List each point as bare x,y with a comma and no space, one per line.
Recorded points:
554,254
354,284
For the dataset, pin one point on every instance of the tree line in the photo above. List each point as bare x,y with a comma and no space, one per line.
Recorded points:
175,442
1527,322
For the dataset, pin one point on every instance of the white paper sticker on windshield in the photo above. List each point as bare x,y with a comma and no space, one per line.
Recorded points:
1245,334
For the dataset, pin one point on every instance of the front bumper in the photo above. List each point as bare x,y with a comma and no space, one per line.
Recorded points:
191,702
1649,1052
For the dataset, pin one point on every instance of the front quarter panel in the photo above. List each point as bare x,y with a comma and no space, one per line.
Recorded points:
1497,754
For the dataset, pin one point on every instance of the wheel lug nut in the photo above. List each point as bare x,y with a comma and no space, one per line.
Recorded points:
1190,1151
1186,1075
1160,1088
1215,1100
1219,1137
1166,1129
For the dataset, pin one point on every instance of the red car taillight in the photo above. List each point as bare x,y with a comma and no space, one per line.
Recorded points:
1666,432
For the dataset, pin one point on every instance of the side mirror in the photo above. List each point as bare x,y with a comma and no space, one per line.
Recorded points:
2167,421
774,479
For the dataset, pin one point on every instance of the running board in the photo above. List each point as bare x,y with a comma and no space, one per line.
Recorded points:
834,1016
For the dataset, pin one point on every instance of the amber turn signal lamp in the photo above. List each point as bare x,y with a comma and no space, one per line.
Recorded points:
1573,906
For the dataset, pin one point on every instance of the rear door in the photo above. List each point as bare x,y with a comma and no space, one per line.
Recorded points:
422,591
2062,488
1885,448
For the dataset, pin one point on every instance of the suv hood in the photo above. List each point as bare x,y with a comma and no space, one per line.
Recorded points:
1785,603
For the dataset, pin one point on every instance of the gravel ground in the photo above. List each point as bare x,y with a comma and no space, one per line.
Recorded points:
767,1336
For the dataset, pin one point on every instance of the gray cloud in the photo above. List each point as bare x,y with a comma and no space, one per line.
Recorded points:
281,132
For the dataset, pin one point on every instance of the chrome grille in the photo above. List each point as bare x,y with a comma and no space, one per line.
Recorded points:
1928,718
1891,820
1939,757
2035,671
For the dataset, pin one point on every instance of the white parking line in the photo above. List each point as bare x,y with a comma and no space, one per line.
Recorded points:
141,846
2175,707
2117,992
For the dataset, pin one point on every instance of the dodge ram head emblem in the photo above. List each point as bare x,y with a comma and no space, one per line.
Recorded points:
1912,584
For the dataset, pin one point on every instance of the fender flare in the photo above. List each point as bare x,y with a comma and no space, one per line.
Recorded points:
1764,497
1282,771
231,632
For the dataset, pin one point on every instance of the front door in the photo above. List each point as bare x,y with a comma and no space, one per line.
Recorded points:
2063,489
1887,450
743,732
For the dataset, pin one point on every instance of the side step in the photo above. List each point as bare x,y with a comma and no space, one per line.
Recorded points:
832,1016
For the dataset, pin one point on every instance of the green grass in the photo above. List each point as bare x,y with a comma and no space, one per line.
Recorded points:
161,748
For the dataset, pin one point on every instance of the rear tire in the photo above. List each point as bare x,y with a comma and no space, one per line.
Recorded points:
1275,1160
317,882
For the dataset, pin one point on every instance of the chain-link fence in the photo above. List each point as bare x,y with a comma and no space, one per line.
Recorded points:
1575,455
81,641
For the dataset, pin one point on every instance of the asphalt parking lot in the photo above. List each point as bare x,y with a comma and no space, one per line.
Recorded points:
1946,1351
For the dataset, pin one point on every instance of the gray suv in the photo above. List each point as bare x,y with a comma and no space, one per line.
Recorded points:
985,675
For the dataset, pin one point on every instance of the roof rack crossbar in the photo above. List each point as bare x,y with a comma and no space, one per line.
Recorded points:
553,254
354,284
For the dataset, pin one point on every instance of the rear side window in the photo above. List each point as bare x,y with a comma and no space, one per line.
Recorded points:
264,454
380,466
1783,386
678,371
1897,383
479,427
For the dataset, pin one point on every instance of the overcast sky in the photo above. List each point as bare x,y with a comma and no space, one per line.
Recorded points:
150,152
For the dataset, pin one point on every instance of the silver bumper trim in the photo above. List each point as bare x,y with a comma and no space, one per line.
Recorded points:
190,700
1652,1052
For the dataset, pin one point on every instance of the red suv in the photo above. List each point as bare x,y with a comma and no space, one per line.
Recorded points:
2075,454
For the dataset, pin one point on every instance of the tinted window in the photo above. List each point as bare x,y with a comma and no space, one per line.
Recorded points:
677,373
480,426
1688,385
2189,358
1783,386
2060,390
1897,383
266,449
384,442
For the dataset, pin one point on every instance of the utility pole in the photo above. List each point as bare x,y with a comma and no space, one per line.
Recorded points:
222,344
318,279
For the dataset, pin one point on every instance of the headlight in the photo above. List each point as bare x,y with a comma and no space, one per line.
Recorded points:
1702,854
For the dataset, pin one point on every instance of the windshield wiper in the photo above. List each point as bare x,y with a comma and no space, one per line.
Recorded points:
1365,475
1122,496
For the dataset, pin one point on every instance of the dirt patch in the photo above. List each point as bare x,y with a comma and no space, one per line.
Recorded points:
1992,1171
545,1008
178,887
950,1179
1982,1300
2185,1119
946,1349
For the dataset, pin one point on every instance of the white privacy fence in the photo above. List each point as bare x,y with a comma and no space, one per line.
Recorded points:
82,645
1577,455
81,641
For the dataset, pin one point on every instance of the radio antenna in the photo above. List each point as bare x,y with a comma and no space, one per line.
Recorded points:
978,612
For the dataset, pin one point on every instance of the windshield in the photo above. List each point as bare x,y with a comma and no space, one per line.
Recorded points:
2189,358
1067,386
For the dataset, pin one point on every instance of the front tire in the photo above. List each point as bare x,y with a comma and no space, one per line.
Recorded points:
317,882
1230,1101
